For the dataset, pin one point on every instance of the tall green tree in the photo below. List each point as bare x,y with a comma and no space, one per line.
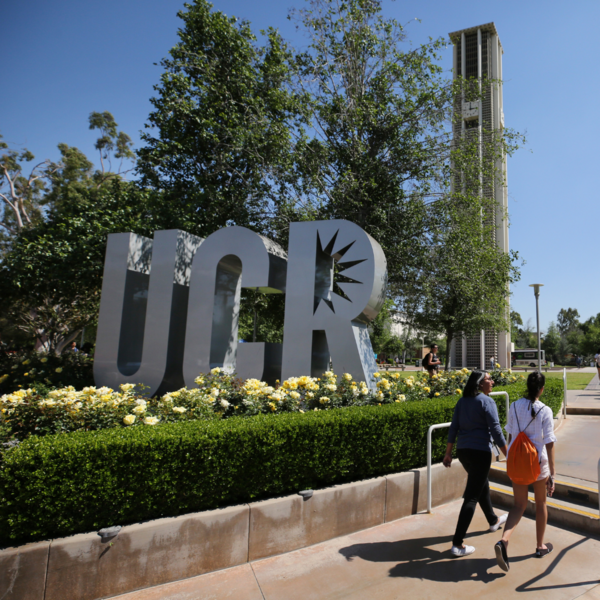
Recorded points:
567,320
218,139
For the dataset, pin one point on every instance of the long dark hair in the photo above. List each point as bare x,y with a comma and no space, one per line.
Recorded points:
472,385
535,382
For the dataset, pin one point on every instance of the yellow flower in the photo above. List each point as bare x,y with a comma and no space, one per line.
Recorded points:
347,377
58,370
376,375
180,409
215,371
437,394
26,362
129,419
126,387
139,409
457,391
26,374
497,365
324,400
426,389
294,395
43,360
150,421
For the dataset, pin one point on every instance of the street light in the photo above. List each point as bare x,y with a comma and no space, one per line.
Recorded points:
536,290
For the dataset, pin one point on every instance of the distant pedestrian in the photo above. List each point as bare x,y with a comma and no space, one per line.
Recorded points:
578,361
492,363
533,418
72,347
597,359
475,422
431,362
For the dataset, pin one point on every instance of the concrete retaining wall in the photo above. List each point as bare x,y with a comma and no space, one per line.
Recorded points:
82,567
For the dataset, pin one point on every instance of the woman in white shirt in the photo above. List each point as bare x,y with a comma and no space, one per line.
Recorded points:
533,417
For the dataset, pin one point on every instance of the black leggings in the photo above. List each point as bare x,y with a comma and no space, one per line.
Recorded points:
477,464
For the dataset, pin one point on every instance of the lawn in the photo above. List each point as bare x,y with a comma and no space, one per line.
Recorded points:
575,381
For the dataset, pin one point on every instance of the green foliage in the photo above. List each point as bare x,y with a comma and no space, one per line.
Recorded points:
50,281
64,484
221,124
41,371
68,483
567,320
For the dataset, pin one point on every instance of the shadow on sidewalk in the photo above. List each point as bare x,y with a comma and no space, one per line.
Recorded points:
419,559
528,585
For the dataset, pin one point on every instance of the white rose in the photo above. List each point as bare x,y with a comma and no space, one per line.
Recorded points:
129,419
224,403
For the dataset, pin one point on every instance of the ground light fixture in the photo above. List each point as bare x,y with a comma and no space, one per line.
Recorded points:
536,290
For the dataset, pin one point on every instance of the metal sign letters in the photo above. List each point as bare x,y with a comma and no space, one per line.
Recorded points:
170,306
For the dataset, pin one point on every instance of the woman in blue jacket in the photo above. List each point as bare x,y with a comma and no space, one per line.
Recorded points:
475,421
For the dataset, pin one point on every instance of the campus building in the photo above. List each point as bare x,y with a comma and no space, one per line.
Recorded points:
477,56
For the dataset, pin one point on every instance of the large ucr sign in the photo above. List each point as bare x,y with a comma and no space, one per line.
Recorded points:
170,306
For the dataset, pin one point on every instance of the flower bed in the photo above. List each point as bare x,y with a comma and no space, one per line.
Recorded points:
56,485
218,395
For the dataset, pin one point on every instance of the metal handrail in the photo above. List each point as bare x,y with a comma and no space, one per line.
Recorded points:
564,392
507,400
437,426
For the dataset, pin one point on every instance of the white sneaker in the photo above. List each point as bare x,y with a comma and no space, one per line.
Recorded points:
501,521
462,551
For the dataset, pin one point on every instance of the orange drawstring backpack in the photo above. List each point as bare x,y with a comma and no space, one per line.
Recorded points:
523,463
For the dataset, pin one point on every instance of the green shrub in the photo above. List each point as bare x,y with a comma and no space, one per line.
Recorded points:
68,483
42,371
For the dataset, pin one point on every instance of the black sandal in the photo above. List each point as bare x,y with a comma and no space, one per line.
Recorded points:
502,556
540,552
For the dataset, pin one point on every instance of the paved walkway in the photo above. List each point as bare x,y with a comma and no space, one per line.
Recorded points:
408,558
578,446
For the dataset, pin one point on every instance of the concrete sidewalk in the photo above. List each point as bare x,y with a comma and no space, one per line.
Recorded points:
408,558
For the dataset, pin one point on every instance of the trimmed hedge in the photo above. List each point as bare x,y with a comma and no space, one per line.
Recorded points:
68,483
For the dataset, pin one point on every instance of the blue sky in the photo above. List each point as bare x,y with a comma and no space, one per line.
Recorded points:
66,58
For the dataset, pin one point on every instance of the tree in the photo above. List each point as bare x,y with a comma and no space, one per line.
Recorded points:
20,194
462,288
110,143
380,332
567,320
50,281
515,321
218,136
375,147
551,342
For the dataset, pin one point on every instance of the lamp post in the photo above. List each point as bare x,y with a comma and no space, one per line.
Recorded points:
536,290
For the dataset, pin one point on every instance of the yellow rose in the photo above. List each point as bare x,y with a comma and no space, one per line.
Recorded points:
347,377
150,421
129,419
376,375
139,409
437,394
126,387
58,370
180,409
324,400
215,371
43,360
458,392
